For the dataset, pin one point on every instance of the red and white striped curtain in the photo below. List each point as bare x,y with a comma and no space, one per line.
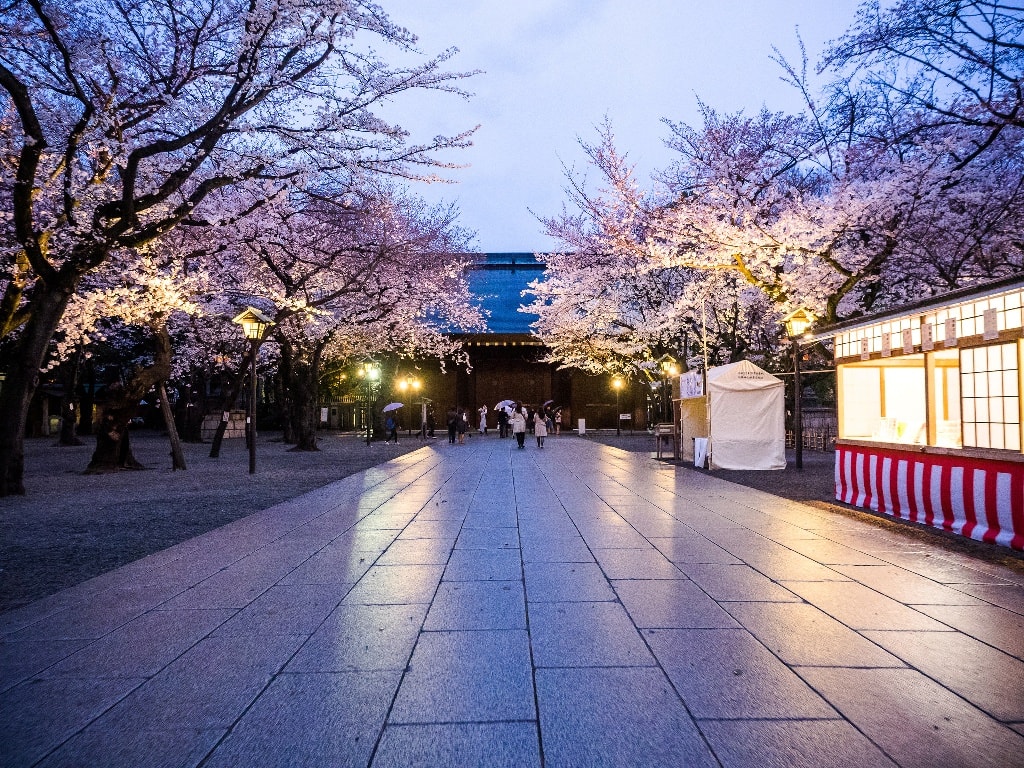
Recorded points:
978,498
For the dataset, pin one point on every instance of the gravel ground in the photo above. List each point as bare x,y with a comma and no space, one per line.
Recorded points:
70,527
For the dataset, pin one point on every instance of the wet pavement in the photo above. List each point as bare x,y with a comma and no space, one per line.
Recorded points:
479,605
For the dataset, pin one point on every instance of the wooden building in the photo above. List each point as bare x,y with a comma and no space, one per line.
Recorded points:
507,360
931,413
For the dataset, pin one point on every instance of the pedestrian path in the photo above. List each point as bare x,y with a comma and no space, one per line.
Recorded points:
477,605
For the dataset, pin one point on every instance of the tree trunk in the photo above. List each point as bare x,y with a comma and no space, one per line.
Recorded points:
69,404
48,305
189,412
177,454
305,401
113,441
288,397
88,403
234,387
44,416
113,447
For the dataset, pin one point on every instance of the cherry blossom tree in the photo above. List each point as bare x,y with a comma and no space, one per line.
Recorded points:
947,62
605,306
121,120
840,228
129,304
357,273
801,211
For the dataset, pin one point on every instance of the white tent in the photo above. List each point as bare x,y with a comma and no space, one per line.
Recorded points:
748,418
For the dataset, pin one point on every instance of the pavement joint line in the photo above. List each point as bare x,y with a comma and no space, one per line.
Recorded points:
643,639
412,650
598,507
526,608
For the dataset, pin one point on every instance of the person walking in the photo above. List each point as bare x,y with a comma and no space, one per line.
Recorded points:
519,427
392,428
452,418
540,427
462,425
502,422
482,429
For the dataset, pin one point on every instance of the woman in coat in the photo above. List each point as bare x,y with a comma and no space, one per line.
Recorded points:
519,427
540,427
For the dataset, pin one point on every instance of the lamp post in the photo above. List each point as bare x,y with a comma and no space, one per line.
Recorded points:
409,385
797,323
668,370
370,374
254,324
617,385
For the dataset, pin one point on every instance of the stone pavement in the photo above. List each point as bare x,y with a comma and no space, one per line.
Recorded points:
478,605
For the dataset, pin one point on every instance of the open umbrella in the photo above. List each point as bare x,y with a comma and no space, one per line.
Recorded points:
548,402
392,407
504,403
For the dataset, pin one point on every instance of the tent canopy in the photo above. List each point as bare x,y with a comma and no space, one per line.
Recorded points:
748,418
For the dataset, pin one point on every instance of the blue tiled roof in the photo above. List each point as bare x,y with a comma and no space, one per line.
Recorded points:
497,281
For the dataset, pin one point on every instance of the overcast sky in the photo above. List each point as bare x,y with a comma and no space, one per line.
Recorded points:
554,68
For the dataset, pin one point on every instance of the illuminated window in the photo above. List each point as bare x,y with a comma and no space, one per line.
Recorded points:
990,391
945,403
884,400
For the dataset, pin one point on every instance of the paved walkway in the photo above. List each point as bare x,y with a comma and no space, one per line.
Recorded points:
482,606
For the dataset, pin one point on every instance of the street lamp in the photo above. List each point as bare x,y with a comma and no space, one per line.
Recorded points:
370,374
254,324
797,323
617,385
409,385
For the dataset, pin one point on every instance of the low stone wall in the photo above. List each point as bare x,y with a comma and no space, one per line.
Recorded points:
236,425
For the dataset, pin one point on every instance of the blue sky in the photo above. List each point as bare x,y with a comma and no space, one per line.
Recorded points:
553,69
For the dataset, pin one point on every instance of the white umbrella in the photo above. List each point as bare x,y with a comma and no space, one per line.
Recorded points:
504,403
392,407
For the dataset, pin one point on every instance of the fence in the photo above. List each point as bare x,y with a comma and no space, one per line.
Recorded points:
815,439
820,430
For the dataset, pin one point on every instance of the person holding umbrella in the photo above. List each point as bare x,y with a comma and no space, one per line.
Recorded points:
503,416
391,423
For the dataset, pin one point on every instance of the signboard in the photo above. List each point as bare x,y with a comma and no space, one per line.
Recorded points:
950,335
908,341
625,417
691,385
991,325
